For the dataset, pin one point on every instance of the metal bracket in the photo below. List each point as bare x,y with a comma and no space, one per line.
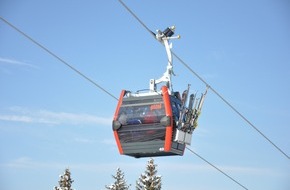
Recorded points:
164,38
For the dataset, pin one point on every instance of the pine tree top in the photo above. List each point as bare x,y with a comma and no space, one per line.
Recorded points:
149,180
120,182
65,181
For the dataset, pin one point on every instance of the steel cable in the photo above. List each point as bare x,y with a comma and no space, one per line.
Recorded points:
58,58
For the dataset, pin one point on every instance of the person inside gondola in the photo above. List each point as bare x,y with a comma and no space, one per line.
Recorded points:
150,117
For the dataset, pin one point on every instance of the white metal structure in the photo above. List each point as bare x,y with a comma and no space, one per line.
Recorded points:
164,38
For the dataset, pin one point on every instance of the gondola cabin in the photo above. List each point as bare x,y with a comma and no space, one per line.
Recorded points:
144,126
157,122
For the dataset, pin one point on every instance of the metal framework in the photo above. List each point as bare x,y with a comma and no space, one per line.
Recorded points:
164,38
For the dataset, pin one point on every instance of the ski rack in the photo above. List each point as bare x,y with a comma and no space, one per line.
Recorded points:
188,116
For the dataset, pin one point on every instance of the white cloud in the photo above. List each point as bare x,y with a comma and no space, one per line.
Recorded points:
22,162
15,62
109,142
164,167
16,118
52,118
229,169
28,163
84,140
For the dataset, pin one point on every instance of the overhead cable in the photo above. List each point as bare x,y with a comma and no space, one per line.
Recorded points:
58,58
231,106
217,168
213,90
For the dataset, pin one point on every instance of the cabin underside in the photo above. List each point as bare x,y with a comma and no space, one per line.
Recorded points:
148,140
151,149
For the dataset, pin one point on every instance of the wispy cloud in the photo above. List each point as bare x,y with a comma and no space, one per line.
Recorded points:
109,141
28,163
85,140
229,169
18,118
15,62
24,115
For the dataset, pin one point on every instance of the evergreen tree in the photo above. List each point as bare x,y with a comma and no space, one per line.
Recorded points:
120,182
149,180
65,181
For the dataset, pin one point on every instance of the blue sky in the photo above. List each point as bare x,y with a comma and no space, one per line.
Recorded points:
51,118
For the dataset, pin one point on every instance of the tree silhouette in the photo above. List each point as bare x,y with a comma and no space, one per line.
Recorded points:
65,181
149,180
120,182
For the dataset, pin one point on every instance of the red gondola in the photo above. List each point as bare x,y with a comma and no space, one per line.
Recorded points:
156,123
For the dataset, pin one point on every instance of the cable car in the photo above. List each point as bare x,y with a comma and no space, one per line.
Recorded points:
157,122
